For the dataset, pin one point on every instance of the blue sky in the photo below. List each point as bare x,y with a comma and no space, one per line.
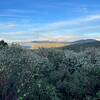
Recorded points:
62,20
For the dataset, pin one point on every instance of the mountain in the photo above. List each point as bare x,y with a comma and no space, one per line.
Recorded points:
83,44
83,41
76,45
42,44
48,41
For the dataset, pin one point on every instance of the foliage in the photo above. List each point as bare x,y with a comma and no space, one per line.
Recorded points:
49,74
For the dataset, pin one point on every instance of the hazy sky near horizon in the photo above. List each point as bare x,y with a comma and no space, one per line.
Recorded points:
66,20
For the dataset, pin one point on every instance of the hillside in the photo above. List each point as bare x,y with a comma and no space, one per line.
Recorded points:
42,44
82,46
75,45
83,41
49,74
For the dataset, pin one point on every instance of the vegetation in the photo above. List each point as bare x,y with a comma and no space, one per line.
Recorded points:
3,44
49,74
82,46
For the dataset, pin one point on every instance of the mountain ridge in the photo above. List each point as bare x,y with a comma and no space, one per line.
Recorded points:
82,46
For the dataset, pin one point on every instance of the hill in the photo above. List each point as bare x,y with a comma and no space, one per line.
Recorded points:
83,45
83,41
42,44
76,45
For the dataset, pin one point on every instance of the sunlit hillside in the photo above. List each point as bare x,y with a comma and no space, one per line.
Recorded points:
43,45
48,45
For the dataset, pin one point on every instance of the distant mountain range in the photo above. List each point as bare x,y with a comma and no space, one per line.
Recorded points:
85,43
74,42
42,44
47,42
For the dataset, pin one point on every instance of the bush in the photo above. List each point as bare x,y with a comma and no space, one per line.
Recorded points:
49,74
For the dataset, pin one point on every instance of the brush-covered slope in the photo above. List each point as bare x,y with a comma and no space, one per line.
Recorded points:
83,45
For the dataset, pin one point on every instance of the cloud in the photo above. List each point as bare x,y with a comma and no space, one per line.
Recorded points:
68,30
6,15
78,21
20,11
10,15
75,26
92,18
13,33
16,13
60,38
6,26
70,37
92,36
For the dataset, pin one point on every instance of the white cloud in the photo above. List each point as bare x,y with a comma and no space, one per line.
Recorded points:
68,30
7,15
67,38
20,11
92,18
78,21
7,26
17,33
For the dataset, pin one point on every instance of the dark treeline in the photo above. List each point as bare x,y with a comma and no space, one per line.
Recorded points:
3,43
49,74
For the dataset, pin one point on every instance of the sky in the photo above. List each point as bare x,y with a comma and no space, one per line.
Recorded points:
54,20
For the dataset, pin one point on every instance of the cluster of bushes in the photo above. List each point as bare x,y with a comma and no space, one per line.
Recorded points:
49,74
